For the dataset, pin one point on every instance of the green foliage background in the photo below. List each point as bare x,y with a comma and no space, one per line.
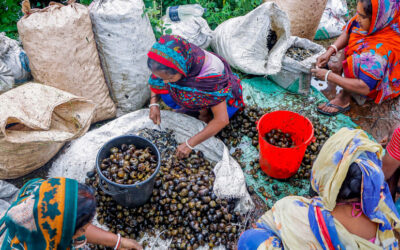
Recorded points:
217,11
10,12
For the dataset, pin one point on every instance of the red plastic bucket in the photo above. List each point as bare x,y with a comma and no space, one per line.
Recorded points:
282,163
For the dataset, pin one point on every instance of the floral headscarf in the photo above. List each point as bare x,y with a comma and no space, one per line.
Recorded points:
42,217
376,53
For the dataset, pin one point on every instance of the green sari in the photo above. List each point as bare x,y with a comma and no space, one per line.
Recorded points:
42,217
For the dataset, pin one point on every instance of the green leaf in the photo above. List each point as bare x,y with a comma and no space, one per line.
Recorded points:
168,31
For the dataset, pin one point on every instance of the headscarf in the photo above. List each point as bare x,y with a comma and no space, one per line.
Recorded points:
192,92
279,228
376,52
330,170
42,217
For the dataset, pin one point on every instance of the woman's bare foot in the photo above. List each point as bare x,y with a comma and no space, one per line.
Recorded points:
341,100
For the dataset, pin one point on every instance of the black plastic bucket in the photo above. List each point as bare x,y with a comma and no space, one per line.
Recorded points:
128,195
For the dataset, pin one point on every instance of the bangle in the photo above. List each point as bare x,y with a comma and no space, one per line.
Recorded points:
326,75
154,104
154,96
118,242
334,47
187,144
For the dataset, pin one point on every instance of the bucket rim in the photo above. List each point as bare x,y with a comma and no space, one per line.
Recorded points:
307,141
128,185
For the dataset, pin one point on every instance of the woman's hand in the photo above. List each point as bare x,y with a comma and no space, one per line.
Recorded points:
323,59
155,114
319,73
183,151
130,244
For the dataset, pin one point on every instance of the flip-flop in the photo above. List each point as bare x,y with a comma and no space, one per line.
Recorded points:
340,109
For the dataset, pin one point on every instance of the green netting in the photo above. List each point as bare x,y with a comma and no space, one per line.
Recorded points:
266,94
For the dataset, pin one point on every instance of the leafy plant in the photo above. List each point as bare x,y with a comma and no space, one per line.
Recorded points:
10,13
217,11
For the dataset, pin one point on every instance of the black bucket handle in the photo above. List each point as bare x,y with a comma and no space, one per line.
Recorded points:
109,192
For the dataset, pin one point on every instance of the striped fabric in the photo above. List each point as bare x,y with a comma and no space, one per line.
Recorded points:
393,148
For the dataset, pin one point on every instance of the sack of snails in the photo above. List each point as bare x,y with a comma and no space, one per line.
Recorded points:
124,36
62,53
296,65
35,122
254,43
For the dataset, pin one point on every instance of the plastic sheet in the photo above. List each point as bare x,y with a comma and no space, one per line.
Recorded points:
261,92
15,58
332,20
195,29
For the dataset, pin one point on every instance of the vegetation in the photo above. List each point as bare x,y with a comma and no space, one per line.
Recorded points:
10,13
217,11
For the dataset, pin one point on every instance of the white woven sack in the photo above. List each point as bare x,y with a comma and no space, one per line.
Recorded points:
242,41
124,36
62,53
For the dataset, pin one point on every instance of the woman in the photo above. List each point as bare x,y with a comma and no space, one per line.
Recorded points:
194,81
391,160
354,209
55,214
371,57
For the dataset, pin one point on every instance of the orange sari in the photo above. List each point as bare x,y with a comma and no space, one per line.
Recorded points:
376,53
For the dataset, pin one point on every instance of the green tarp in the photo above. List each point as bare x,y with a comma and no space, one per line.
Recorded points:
266,94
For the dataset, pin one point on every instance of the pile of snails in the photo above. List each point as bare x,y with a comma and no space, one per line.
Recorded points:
182,208
244,124
279,139
129,165
299,54
272,38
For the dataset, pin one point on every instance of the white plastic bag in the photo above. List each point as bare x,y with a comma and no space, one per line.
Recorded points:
332,20
14,57
295,75
242,41
193,28
124,36
6,78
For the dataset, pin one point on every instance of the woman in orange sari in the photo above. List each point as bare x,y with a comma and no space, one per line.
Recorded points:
371,67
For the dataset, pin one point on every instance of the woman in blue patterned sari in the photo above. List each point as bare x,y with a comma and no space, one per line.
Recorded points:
194,81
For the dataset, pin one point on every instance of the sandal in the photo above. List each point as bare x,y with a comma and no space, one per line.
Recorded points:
341,110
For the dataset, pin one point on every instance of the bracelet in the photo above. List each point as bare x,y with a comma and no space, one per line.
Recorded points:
118,242
334,47
187,144
154,104
326,75
154,96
